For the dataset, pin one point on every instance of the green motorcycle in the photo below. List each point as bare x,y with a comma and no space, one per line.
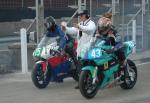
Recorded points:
102,70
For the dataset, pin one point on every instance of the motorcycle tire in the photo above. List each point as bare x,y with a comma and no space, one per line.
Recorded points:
87,89
39,78
129,84
75,75
77,72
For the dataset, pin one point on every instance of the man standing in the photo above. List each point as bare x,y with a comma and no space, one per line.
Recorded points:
84,30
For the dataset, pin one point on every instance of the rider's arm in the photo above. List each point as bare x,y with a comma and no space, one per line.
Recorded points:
112,41
115,45
43,41
62,38
72,30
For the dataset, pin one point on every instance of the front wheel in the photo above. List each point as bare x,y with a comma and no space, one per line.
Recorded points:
130,81
39,78
87,89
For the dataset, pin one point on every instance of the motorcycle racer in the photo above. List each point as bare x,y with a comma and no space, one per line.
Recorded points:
107,31
53,33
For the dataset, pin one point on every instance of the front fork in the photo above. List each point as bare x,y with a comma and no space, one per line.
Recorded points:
44,66
93,70
94,76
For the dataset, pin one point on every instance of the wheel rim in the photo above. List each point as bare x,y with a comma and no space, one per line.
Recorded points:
132,76
88,86
41,78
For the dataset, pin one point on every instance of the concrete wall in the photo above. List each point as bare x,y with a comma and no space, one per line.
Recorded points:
10,60
5,61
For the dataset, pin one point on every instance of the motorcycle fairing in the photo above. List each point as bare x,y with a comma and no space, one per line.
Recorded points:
109,75
61,70
129,46
91,69
56,61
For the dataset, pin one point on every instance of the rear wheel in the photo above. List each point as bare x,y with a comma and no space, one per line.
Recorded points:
76,71
75,75
130,81
39,78
87,89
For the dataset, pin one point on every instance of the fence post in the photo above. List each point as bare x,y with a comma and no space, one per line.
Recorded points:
134,33
24,63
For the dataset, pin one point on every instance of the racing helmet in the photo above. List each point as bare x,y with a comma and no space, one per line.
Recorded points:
104,25
49,22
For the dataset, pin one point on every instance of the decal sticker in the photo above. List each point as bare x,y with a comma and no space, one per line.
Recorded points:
105,65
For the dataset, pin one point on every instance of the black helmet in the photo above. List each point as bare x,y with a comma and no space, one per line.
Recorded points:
49,22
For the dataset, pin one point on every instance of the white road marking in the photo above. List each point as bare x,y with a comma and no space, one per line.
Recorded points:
143,63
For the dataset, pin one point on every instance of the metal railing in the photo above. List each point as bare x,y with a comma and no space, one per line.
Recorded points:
130,21
30,26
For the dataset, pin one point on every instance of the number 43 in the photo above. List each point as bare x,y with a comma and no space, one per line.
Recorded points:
96,53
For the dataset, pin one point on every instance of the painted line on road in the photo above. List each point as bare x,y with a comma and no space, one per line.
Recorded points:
143,63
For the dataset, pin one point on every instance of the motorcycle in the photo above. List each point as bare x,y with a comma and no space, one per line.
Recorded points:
52,66
102,69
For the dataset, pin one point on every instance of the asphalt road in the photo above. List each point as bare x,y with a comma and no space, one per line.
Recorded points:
18,88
